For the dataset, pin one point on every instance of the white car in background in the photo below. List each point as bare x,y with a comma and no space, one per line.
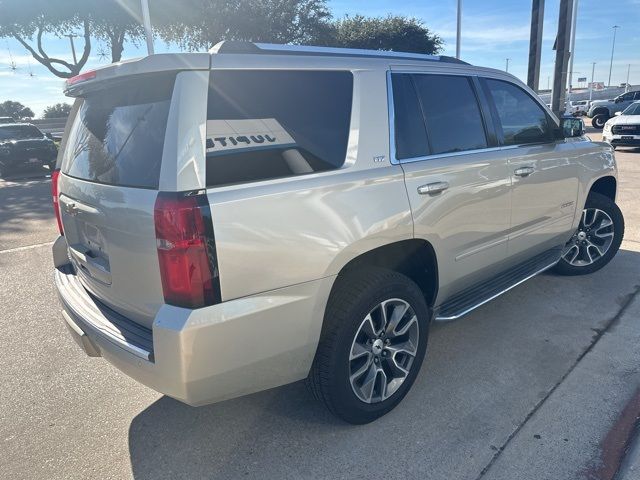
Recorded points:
623,130
578,107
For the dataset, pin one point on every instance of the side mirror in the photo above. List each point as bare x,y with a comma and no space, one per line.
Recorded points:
572,127
49,136
618,113
618,99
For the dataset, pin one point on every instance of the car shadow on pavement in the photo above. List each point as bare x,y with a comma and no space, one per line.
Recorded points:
482,376
23,198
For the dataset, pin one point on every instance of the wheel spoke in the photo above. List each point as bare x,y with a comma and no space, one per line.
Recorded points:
396,317
576,251
365,366
369,383
358,350
404,347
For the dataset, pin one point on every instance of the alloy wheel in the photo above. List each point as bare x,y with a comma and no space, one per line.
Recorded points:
592,240
383,350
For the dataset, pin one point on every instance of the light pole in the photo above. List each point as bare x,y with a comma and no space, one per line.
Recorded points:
613,46
593,69
458,28
507,69
572,47
73,47
626,87
146,20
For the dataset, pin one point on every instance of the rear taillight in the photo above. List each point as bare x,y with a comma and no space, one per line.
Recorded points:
186,250
55,193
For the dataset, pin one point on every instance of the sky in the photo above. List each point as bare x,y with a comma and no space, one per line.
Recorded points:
492,31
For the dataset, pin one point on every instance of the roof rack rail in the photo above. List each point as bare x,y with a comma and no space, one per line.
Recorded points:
228,46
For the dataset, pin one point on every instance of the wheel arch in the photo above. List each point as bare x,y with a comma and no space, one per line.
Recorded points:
600,111
606,186
415,258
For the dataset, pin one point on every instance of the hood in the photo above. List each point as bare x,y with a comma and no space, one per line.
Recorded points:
601,102
625,120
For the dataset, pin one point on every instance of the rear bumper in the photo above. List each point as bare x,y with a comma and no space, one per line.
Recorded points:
209,354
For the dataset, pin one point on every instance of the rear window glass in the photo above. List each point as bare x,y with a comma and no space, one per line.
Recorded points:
19,132
269,124
117,136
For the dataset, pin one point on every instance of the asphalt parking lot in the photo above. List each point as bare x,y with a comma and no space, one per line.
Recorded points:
542,383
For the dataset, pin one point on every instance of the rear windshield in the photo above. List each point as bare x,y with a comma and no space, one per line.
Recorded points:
19,132
118,134
269,124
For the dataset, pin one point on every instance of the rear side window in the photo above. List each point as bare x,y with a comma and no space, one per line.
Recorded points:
522,119
117,136
410,132
452,113
265,124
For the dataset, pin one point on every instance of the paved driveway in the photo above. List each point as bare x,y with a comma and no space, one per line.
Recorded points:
540,383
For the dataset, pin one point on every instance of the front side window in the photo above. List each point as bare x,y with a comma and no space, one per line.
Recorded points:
265,124
522,119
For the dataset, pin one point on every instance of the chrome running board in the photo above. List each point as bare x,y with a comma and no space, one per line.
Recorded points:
470,299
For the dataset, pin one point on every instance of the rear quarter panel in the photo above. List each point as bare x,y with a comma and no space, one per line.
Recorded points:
282,232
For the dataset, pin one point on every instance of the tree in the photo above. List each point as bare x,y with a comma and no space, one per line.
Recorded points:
397,33
110,21
203,23
59,110
16,110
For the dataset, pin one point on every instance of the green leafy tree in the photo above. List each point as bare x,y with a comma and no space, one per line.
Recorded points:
59,110
110,21
16,110
203,23
397,33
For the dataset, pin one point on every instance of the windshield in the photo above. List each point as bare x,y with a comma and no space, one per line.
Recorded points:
19,132
117,137
633,109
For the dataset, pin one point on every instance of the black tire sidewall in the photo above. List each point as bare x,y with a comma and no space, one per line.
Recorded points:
596,119
347,405
607,205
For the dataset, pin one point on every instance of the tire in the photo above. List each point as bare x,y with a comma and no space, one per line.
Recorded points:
570,265
334,378
599,120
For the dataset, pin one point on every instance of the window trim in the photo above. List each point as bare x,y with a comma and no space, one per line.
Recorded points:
487,119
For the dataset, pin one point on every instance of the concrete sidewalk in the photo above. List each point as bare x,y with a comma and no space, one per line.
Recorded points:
583,427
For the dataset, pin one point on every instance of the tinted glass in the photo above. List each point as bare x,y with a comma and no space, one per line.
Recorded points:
19,132
633,109
452,114
410,132
522,119
637,95
118,134
269,124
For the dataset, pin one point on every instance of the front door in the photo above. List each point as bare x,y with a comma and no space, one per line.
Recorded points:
543,171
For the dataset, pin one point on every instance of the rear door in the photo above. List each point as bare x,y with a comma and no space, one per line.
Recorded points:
542,170
110,172
457,181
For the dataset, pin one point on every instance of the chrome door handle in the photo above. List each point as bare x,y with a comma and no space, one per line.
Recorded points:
524,171
433,188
